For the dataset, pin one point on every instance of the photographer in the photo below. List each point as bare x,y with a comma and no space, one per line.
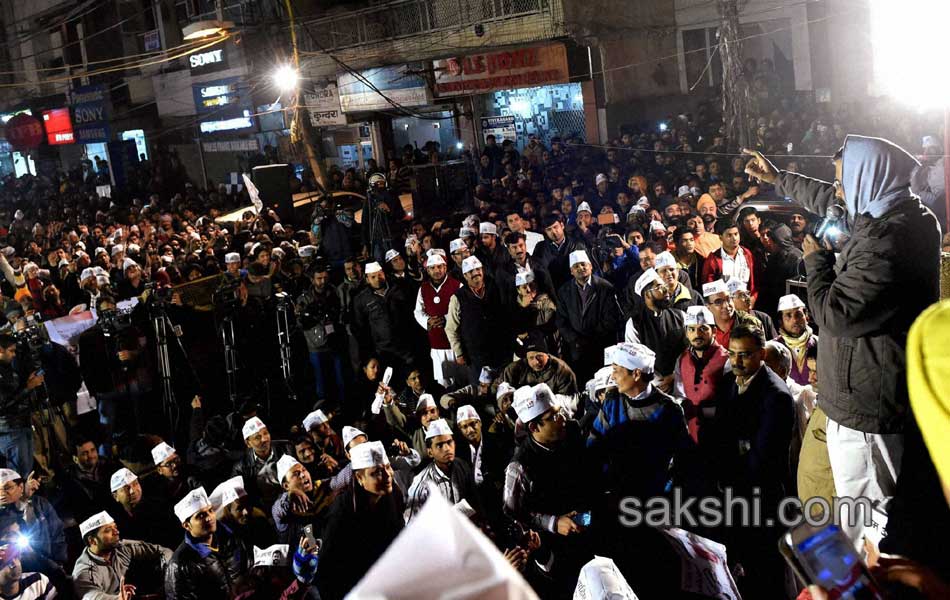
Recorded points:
864,301
16,386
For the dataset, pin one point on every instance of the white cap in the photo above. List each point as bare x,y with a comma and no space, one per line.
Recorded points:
117,248
285,464
232,257
698,315
313,419
584,207
524,278
633,356
161,453
437,428
715,287
227,492
372,267
255,247
10,475
252,426
657,226
9,250
603,378
120,479
466,232
578,256
456,245
664,259
790,302
95,522
600,579
485,376
488,228
504,388
86,274
649,276
307,251
736,285
277,555
370,454
530,402
466,413
128,262
194,501
410,239
683,191
134,248
391,254
350,433
600,177
278,252
434,251
434,260
425,401
470,264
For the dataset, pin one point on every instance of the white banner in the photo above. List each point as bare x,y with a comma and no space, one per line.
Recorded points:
323,104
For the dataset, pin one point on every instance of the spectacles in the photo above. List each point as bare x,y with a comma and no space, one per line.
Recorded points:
721,301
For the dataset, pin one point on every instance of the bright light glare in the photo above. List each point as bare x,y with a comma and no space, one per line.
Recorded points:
285,78
521,107
909,40
459,145
22,541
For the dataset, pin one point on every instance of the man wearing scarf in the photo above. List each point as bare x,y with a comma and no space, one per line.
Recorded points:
795,333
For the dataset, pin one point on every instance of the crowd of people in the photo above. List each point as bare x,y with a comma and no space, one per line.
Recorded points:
661,316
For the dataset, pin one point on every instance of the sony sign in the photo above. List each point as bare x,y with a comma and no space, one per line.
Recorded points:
208,61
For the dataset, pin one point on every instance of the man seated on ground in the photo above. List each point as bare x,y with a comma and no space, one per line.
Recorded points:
538,366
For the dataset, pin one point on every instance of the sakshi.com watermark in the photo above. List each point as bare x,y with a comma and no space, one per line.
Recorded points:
735,510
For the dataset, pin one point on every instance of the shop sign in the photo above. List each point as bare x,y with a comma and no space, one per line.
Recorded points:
224,105
208,61
323,104
24,132
250,145
59,127
402,84
91,110
503,128
509,69
152,40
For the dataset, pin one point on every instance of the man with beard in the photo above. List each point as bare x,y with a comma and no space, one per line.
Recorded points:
453,478
704,241
795,333
699,370
798,224
381,315
688,259
144,518
554,253
657,325
522,262
303,501
320,317
86,482
171,479
490,250
258,465
432,306
477,324
784,260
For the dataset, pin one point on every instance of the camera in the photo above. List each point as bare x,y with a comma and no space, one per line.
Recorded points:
227,298
832,230
30,341
114,321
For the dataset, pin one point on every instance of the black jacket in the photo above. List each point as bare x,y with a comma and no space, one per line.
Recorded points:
14,397
782,265
204,575
556,260
662,332
865,301
384,324
590,327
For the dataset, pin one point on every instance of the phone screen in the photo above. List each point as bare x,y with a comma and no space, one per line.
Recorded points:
832,563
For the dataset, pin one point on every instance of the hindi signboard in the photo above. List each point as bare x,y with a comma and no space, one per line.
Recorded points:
501,70
323,104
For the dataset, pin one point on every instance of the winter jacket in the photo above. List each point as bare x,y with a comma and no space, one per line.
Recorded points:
198,573
588,327
98,579
384,323
782,266
14,397
559,377
865,299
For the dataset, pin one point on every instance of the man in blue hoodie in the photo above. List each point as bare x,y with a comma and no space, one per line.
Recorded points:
864,299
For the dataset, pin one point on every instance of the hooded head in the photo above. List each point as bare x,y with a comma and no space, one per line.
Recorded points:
875,175
782,236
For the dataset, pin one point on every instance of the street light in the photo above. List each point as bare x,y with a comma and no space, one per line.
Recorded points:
286,78
203,29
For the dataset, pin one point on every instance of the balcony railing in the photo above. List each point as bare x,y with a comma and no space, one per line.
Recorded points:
407,18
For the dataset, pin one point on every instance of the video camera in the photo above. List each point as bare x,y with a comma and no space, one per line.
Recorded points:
30,341
832,230
227,298
114,321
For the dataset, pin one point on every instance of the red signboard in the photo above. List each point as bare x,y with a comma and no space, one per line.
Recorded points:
501,70
24,132
59,126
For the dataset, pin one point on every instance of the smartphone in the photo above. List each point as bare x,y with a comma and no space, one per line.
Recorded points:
387,375
824,556
606,219
308,533
582,519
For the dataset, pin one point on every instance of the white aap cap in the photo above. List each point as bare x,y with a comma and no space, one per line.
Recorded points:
349,434
194,501
128,262
504,388
600,179
664,260
391,254
583,207
734,285
683,191
790,302
601,579
117,248
370,454
435,260
426,401
313,419
120,479
466,232
437,428
466,413
252,426
372,267
578,256
456,245
698,315
603,378
487,228
657,226
470,264
648,277
10,475
227,492
95,522
411,239
531,402
277,555
284,465
307,251
161,453
485,376
434,251
524,278
232,257
715,287
633,357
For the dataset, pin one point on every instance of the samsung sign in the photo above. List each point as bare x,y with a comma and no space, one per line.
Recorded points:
208,61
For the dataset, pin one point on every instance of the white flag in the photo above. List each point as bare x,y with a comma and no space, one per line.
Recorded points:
253,192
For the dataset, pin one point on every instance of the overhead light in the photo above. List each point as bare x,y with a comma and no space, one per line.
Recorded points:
285,78
203,29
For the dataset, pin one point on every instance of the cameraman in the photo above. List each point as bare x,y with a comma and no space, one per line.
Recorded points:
17,383
864,301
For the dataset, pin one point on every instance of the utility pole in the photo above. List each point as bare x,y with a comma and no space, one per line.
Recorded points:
736,98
